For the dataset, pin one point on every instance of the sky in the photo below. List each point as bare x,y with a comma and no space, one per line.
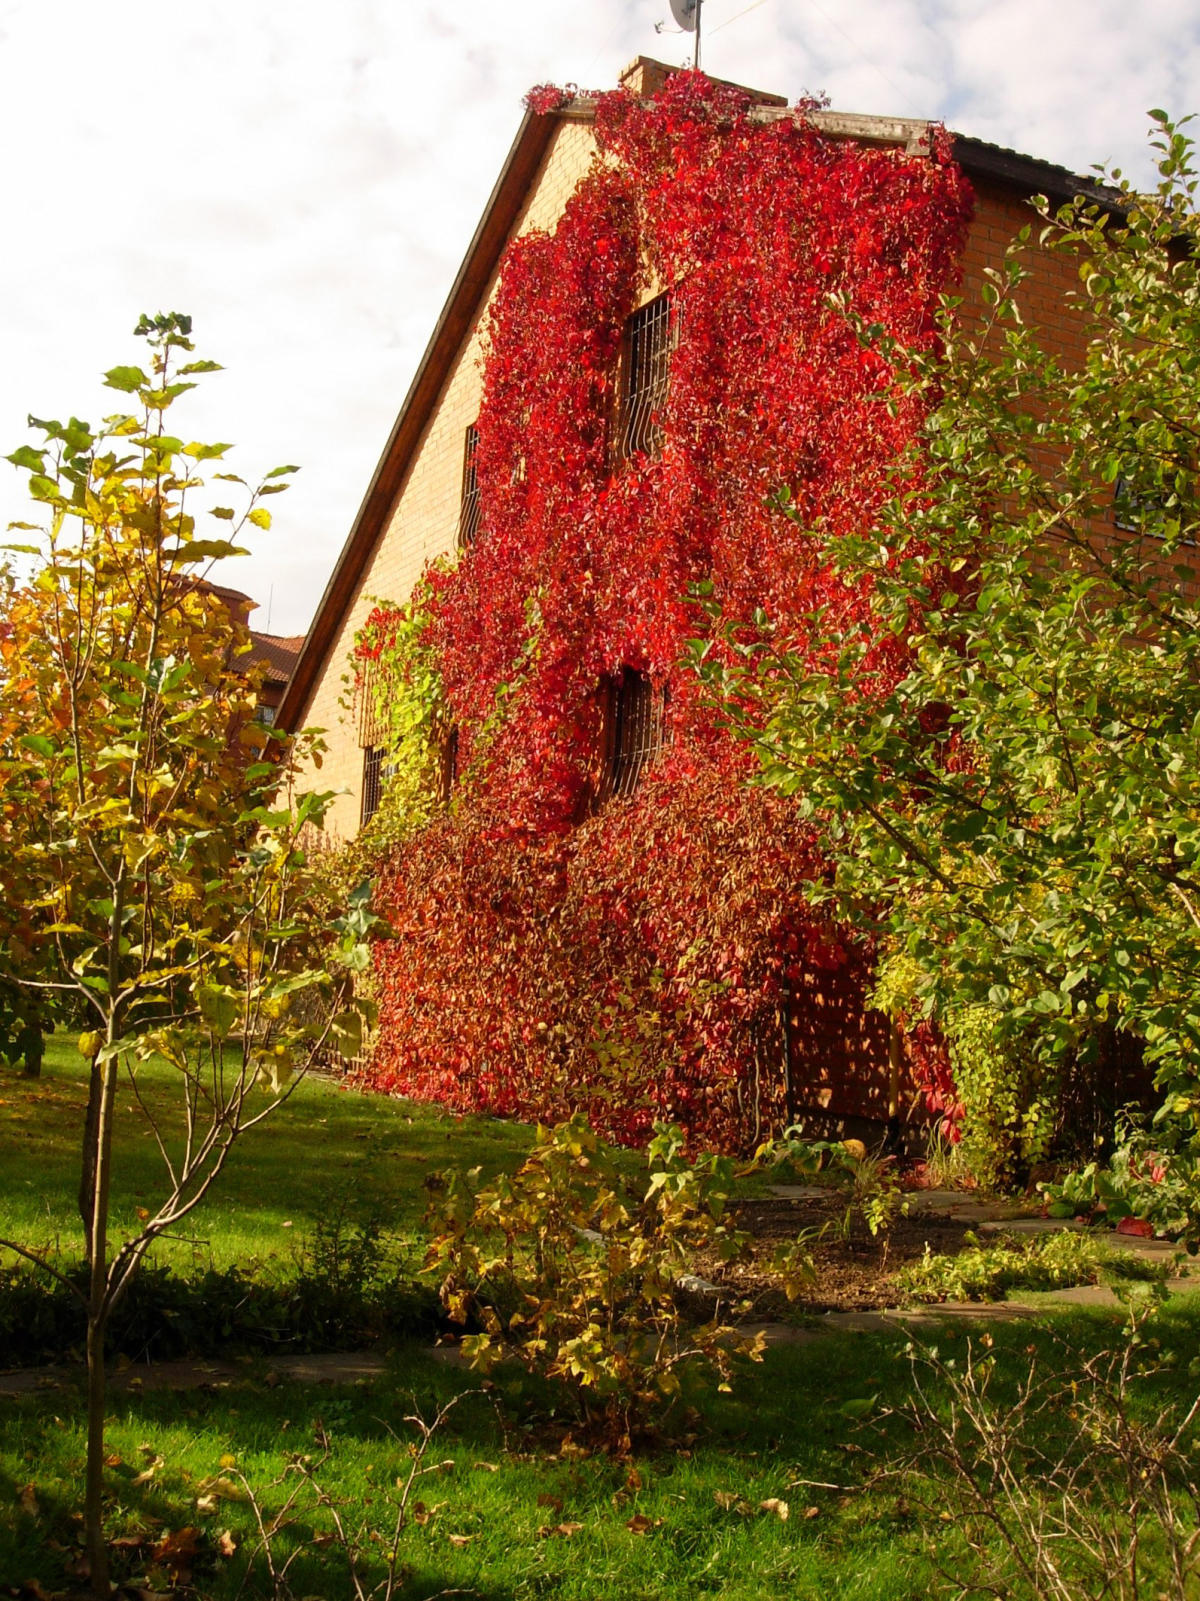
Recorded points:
304,181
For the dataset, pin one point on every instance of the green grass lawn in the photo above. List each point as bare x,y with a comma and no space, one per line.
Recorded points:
323,1148
514,1510
509,1513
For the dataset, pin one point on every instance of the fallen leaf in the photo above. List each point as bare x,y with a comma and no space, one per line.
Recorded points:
226,1544
779,1508
206,1505
546,1499
812,1512
730,1501
488,1467
227,1461
222,1487
178,1550
148,1473
460,1539
113,1461
27,1496
568,1530
639,1523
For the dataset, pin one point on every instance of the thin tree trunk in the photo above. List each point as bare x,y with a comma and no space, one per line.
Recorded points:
93,1511
87,1165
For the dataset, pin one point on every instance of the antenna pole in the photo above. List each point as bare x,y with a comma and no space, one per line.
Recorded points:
696,51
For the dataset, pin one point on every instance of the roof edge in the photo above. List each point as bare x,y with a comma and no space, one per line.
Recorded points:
482,257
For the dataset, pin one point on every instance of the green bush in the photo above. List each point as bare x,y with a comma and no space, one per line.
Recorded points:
346,1291
582,1275
987,1272
1153,1174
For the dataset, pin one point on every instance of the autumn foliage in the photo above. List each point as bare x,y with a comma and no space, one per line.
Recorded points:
629,959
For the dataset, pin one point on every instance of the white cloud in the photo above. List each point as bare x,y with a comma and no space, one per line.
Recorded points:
304,181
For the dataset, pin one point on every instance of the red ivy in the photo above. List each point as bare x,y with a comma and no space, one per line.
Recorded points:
631,961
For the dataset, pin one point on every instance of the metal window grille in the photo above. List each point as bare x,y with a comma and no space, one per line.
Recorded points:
635,732
469,507
372,721
374,778
649,342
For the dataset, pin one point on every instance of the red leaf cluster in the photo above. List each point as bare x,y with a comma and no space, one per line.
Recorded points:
547,954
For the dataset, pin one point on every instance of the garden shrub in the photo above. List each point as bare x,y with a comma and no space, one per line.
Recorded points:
576,1268
1152,1175
988,1271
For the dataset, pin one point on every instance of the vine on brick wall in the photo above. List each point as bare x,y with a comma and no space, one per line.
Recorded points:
632,959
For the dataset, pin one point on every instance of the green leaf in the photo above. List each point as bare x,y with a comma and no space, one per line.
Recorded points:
126,379
199,452
39,744
225,513
278,472
27,456
202,366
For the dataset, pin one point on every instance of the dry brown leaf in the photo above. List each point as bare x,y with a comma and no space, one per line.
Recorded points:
178,1550
568,1530
812,1512
488,1467
226,1544
27,1496
779,1508
206,1505
460,1539
730,1501
546,1499
639,1523
113,1461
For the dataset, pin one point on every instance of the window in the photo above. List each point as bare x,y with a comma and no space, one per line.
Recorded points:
264,715
374,778
633,732
649,342
469,508
447,763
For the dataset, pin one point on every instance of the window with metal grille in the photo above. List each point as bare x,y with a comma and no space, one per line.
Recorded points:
649,342
373,780
634,732
468,510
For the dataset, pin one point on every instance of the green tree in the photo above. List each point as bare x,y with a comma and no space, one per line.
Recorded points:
153,889
1019,815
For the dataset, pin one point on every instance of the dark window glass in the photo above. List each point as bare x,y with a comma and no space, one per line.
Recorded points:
449,763
468,511
649,341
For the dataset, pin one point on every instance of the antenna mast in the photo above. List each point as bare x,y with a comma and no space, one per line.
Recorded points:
687,15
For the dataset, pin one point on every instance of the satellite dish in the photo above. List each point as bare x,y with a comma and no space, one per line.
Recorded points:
684,12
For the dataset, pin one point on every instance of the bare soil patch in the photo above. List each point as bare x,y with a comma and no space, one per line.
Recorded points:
854,1269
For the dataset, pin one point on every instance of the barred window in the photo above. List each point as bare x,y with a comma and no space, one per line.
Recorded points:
649,343
468,511
374,778
634,732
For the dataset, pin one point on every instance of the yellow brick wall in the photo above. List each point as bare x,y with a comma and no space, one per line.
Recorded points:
424,520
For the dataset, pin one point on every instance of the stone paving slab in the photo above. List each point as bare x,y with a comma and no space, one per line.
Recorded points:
330,1367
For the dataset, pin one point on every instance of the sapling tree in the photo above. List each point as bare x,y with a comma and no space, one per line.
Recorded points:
1019,814
154,890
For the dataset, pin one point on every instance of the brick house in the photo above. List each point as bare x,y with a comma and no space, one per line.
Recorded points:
422,499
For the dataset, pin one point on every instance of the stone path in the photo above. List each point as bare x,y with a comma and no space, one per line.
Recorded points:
351,1367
